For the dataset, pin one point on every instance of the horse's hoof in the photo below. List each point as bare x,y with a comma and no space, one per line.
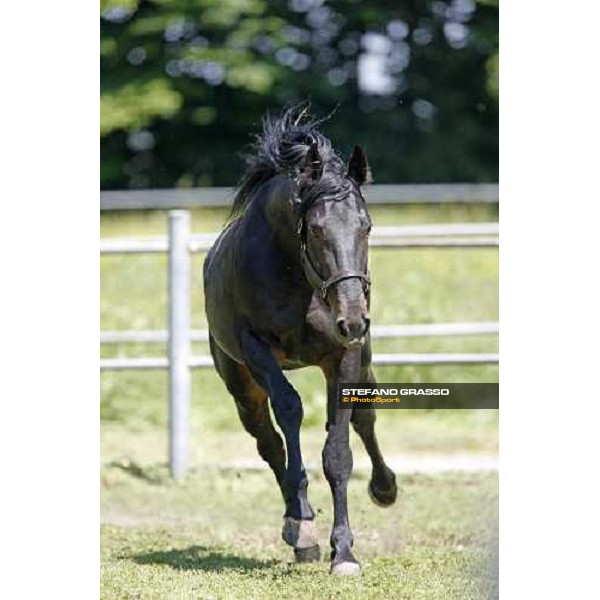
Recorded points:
383,498
307,555
300,534
345,569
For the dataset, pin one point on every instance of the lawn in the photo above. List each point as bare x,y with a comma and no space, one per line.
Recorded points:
410,286
217,534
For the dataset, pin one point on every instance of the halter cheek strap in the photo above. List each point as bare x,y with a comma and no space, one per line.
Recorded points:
314,278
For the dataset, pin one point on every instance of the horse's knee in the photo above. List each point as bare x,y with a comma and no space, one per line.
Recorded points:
363,419
288,411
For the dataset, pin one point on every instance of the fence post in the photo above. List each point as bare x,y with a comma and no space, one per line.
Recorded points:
179,341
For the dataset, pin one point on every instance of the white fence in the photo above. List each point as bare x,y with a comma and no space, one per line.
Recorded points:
180,244
375,194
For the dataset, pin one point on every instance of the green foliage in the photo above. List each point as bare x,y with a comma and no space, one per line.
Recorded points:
493,70
136,105
185,84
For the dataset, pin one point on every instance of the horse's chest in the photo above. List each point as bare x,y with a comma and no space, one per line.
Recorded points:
289,312
310,340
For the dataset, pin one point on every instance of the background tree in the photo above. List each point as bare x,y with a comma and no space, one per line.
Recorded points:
185,84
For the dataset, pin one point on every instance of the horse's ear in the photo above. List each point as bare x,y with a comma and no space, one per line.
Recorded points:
358,167
313,164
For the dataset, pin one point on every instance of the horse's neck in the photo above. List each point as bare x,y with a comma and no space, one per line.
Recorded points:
276,209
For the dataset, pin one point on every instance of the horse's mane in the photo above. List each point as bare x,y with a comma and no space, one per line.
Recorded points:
281,148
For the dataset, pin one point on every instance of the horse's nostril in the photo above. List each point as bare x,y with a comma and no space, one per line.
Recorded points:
353,329
343,328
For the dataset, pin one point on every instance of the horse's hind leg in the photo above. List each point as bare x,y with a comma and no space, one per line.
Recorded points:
251,403
382,487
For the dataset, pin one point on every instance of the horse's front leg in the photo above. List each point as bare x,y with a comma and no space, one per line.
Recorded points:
382,487
299,529
337,463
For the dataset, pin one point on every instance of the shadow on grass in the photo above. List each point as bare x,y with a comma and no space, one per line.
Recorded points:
137,471
201,558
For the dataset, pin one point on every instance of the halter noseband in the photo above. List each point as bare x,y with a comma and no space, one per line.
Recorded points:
313,277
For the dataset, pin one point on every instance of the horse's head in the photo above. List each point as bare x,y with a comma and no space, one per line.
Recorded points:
334,228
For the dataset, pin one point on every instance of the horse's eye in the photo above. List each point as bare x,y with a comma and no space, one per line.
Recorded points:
315,230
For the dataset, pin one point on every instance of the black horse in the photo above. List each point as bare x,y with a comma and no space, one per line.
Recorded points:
287,286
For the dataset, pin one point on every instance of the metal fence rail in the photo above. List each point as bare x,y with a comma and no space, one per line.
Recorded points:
377,332
376,194
199,362
179,244
439,236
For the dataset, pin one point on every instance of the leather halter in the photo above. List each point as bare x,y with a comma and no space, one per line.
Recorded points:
313,276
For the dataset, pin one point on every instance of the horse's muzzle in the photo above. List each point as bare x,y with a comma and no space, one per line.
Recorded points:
350,312
353,330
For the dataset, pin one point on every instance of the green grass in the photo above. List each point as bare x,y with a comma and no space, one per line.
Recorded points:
410,286
403,433
218,536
